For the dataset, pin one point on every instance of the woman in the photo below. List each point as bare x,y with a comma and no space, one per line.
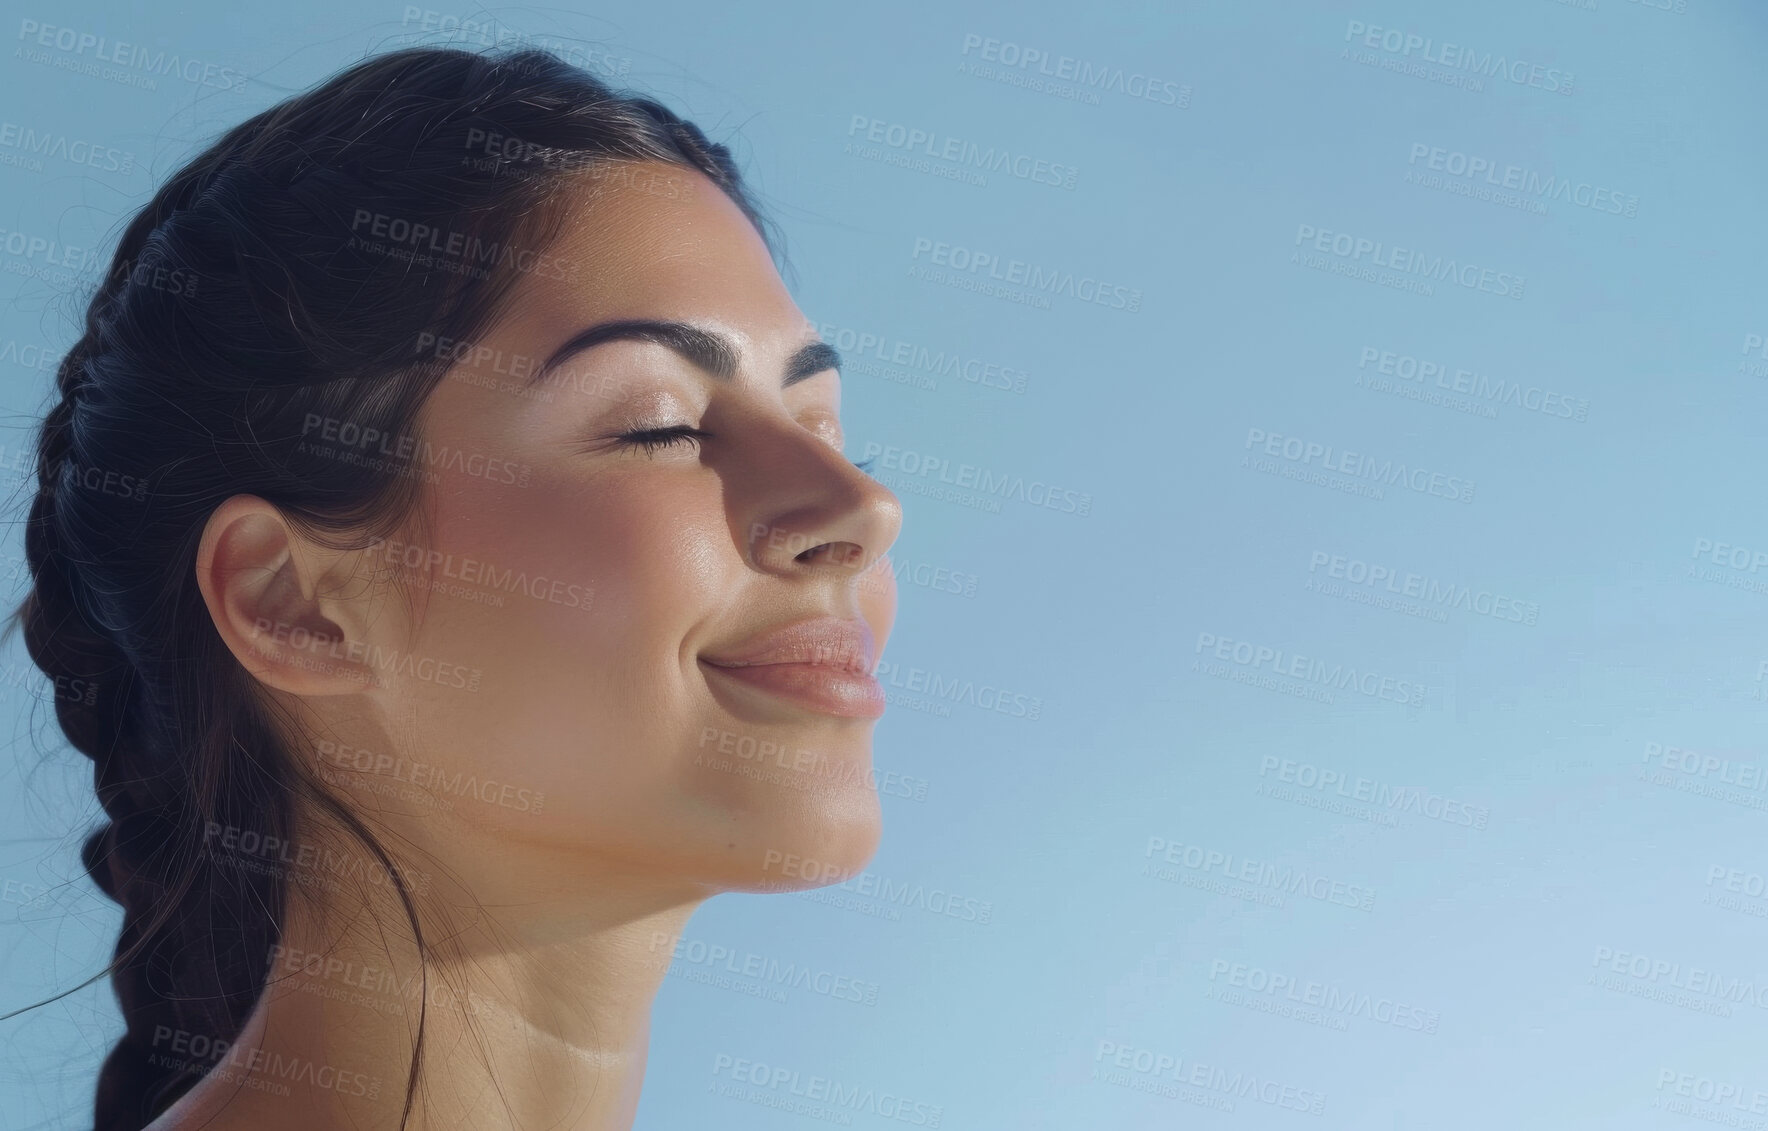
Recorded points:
445,553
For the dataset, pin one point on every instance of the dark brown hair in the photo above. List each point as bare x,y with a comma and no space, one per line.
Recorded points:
290,272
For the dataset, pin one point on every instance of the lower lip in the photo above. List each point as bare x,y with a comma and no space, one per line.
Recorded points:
826,690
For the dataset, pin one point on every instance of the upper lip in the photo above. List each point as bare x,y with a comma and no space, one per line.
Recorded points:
826,641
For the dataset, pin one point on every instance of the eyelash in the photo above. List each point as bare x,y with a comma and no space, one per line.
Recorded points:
650,439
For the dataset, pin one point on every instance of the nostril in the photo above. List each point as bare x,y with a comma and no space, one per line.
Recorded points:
836,553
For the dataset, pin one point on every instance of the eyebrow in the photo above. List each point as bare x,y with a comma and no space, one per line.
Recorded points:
711,352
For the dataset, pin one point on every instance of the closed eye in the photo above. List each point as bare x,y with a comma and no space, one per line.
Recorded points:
650,439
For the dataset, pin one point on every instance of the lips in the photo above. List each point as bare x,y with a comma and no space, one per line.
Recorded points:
822,641
823,664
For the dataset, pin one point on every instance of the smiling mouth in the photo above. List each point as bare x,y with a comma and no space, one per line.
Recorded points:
828,689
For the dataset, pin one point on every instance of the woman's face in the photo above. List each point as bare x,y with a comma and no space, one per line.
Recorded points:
583,579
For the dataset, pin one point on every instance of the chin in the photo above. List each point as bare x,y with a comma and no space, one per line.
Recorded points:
824,843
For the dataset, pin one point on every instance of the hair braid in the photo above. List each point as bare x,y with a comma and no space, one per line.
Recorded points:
148,855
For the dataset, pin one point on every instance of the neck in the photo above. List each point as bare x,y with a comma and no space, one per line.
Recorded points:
535,1001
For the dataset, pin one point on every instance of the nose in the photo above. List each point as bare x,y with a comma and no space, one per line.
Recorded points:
803,507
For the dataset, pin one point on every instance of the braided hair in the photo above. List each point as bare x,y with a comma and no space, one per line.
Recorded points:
241,305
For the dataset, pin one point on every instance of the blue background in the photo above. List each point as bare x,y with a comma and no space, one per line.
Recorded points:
1515,934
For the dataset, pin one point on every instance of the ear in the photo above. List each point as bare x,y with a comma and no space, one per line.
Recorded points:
273,597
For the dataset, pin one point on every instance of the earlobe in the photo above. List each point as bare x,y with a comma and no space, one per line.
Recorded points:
263,585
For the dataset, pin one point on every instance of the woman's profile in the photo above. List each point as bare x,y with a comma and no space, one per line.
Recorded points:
444,551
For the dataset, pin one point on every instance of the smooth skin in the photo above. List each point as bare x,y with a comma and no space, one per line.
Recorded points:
552,921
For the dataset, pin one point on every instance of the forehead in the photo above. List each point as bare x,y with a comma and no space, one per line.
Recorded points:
654,240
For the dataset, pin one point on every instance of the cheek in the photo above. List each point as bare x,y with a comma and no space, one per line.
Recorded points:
647,556
573,600
661,555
